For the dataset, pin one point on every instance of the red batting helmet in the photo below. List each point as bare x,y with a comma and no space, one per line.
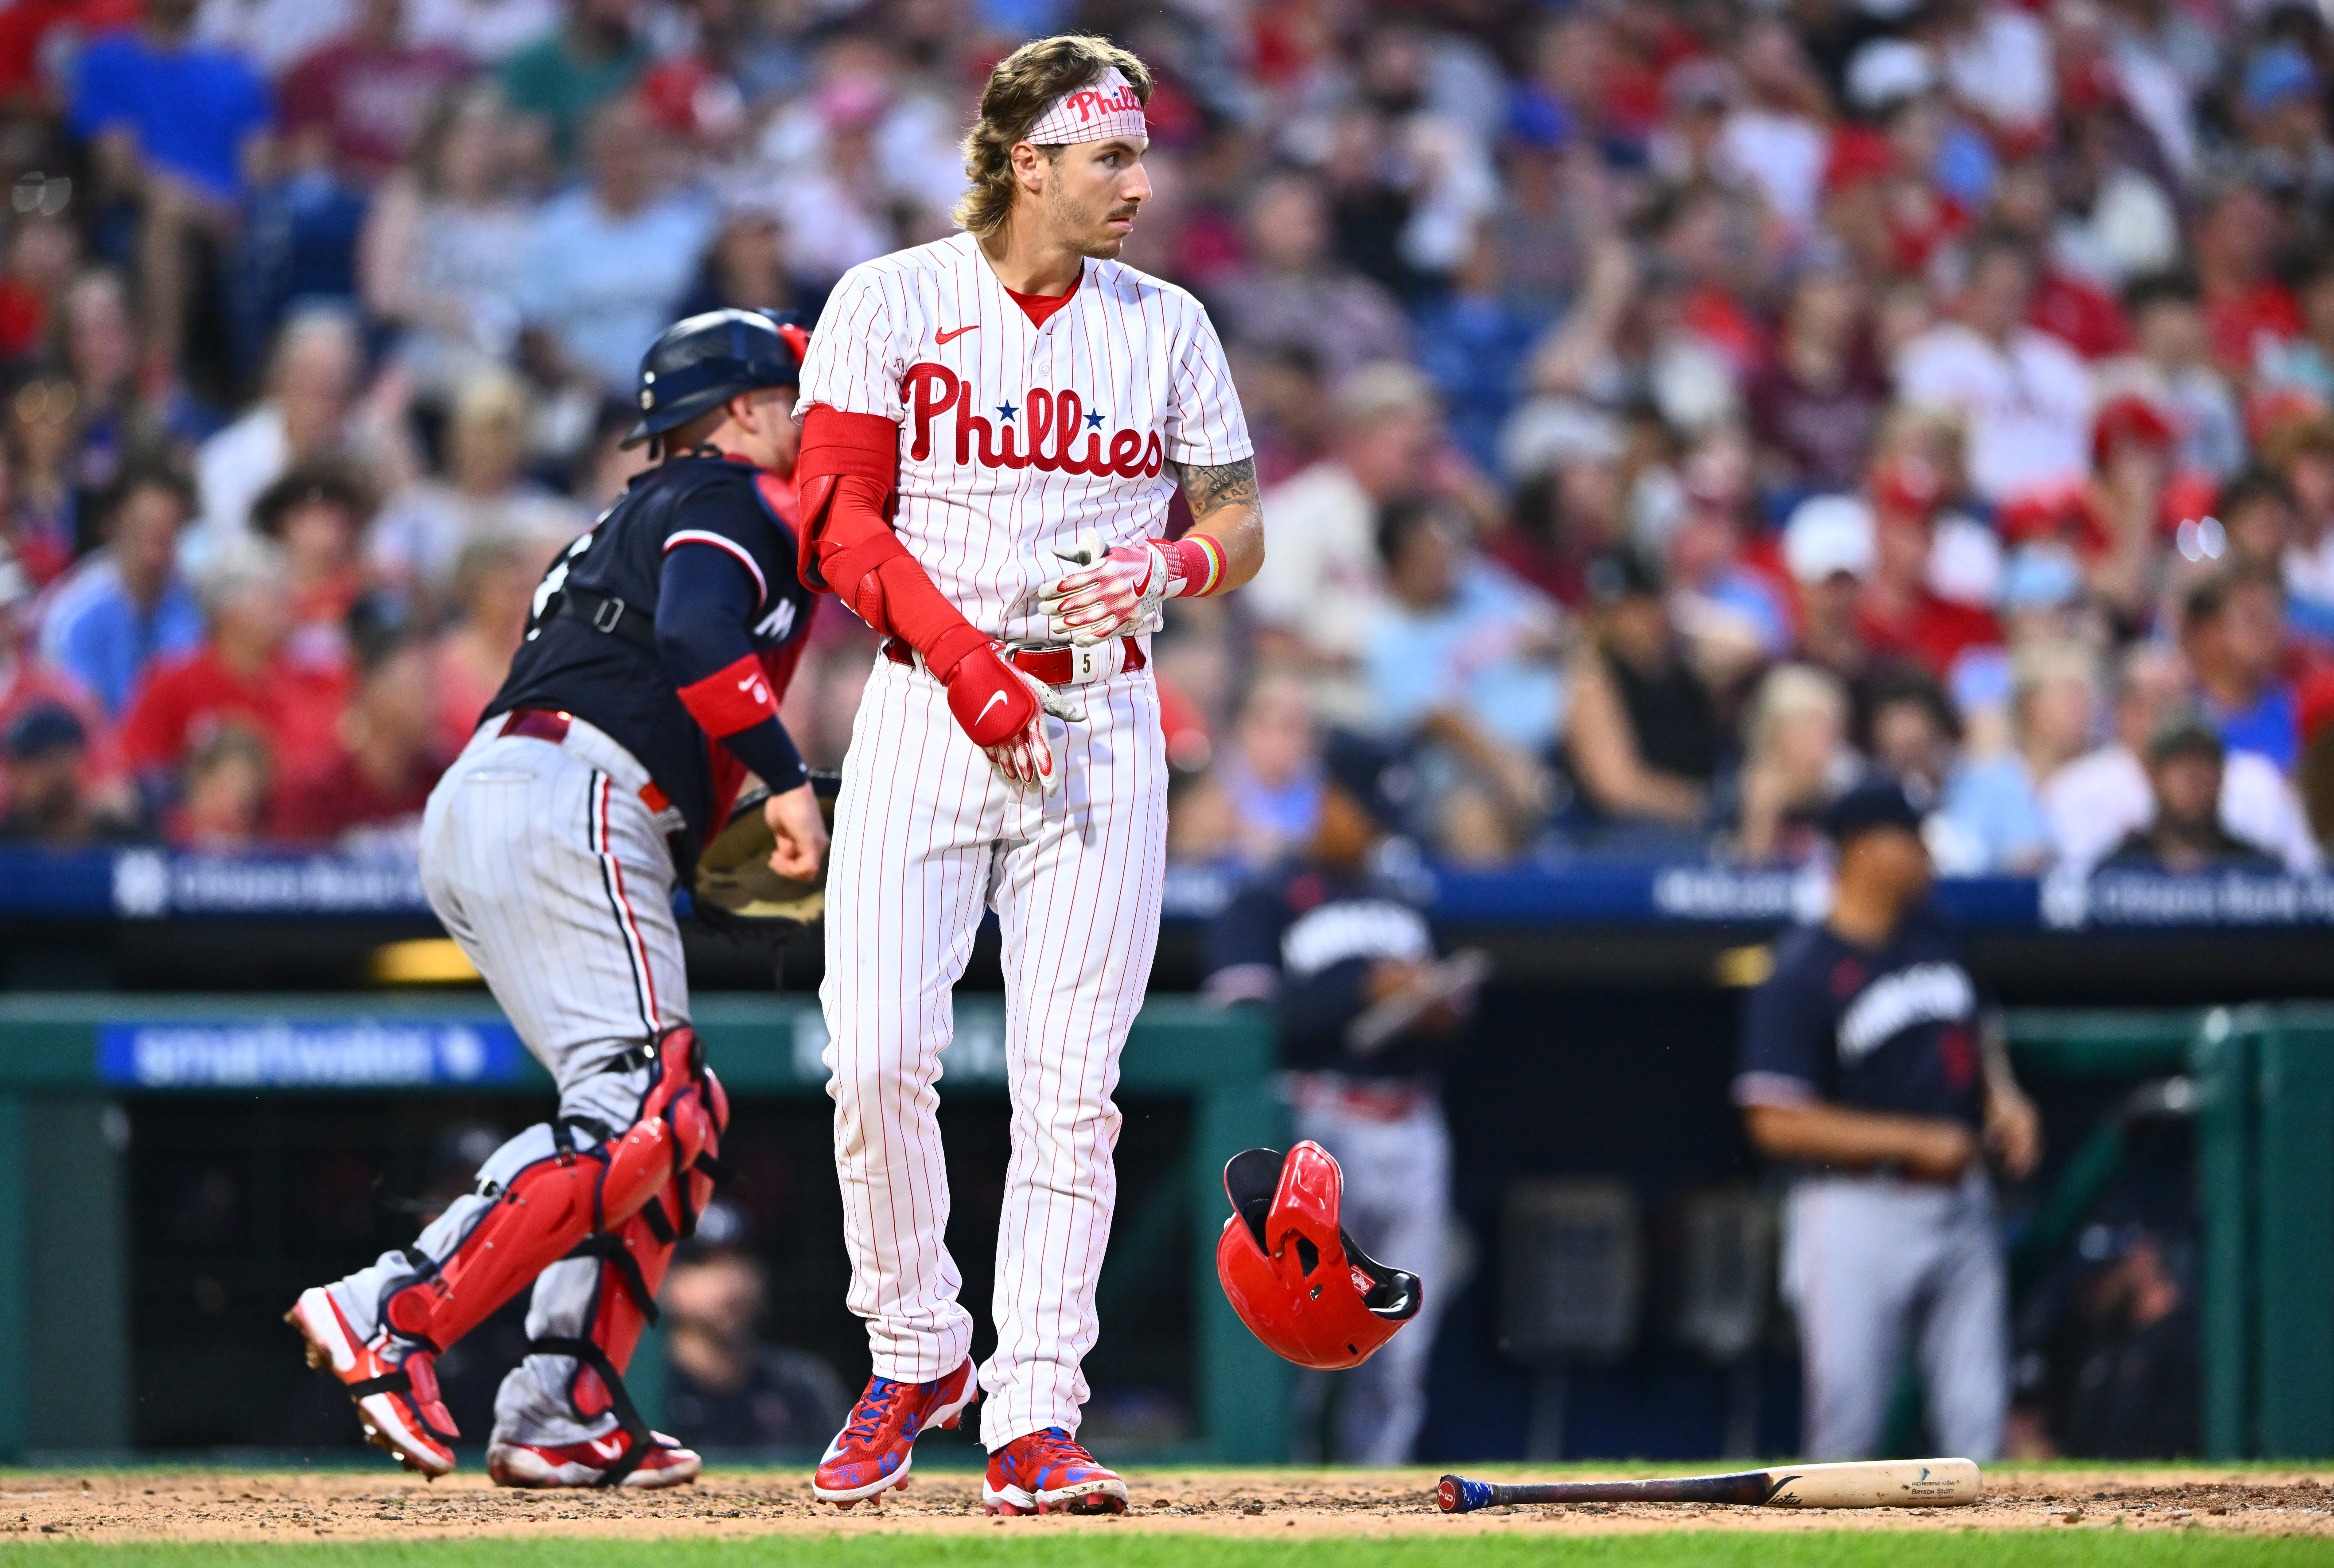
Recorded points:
1292,1274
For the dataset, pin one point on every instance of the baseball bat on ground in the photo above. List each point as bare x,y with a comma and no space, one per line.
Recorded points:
1873,1484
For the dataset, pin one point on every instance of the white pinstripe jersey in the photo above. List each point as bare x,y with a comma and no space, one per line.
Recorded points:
1014,437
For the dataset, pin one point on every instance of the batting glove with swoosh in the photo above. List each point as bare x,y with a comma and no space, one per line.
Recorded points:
1116,592
1003,710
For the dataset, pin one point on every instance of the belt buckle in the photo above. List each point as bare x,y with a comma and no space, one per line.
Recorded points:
610,611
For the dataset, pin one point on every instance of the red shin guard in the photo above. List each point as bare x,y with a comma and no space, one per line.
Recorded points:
558,1205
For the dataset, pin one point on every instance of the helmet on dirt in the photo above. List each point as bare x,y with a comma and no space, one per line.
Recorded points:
1291,1272
704,360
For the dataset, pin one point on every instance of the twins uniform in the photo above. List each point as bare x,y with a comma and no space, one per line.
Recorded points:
1022,424
1874,1262
1302,940
551,849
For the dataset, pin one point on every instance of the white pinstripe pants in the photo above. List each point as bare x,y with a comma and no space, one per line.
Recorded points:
544,864
926,837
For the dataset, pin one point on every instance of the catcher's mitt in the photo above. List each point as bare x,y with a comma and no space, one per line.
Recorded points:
736,892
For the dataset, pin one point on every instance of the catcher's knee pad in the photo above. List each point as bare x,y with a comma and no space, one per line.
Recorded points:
548,1197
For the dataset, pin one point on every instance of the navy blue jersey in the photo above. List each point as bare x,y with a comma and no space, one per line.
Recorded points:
1893,1031
674,625
1301,939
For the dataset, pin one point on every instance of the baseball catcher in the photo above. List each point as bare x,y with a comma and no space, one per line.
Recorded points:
645,694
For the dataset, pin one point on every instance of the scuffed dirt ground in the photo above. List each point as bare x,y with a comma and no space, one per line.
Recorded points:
134,1506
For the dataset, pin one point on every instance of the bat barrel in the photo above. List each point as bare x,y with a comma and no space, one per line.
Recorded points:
1912,1482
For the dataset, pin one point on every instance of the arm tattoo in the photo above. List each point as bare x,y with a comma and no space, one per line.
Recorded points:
1229,485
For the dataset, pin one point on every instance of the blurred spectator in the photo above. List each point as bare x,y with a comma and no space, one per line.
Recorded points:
44,764
1644,743
1795,758
2096,802
483,32
172,124
724,1387
28,683
1828,548
1363,1013
2172,367
422,532
2186,834
219,795
312,384
126,606
1902,613
388,754
1815,408
1296,293
1321,582
492,594
2025,395
2233,629
1914,732
592,57
604,264
41,254
241,677
1462,666
363,98
1733,616
2301,450
1270,775
1994,804
317,513
2246,308
440,257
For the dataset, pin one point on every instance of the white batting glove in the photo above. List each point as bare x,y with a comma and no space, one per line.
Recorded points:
1114,591
1025,758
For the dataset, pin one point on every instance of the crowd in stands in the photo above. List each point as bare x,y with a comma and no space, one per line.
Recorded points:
1666,411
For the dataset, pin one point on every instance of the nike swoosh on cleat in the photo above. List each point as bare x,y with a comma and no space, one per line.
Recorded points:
614,1448
950,337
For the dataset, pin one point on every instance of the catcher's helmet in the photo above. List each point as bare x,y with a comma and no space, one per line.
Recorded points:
703,360
1292,1272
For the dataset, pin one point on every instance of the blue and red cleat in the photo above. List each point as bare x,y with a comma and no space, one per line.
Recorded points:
1047,1473
874,1450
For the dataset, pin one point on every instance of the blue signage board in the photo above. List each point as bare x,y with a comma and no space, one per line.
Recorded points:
283,1054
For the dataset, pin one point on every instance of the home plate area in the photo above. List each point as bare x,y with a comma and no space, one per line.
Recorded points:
118,1506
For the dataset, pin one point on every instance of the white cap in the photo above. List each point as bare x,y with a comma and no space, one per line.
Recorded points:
1105,108
1886,70
1827,535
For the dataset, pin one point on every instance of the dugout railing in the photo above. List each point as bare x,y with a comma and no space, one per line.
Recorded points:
2259,1083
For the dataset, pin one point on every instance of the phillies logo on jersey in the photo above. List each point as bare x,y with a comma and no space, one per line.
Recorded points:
1043,436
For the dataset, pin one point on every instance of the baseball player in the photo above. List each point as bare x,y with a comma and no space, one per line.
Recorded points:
1868,1062
1343,956
994,424
647,688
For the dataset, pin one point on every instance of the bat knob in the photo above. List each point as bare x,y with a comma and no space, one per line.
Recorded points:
1458,1495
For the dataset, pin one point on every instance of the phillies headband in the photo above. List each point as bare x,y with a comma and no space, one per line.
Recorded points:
1108,108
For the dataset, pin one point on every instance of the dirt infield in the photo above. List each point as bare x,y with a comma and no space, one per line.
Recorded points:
1278,1505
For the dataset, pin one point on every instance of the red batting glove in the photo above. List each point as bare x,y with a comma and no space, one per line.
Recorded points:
1002,710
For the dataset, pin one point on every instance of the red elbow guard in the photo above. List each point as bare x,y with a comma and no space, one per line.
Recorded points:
730,699
848,466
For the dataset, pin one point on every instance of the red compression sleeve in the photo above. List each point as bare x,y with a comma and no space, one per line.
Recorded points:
849,462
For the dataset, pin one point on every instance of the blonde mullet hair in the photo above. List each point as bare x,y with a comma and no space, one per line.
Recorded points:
1023,83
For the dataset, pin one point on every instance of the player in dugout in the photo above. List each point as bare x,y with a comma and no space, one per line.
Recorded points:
1870,1063
1365,1012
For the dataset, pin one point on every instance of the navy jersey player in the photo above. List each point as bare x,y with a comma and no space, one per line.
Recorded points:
647,687
1870,1063
1362,1011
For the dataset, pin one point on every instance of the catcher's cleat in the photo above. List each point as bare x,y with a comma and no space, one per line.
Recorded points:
395,1387
664,1462
1048,1473
872,1452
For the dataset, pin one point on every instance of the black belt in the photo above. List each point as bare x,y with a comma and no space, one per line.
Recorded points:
605,613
